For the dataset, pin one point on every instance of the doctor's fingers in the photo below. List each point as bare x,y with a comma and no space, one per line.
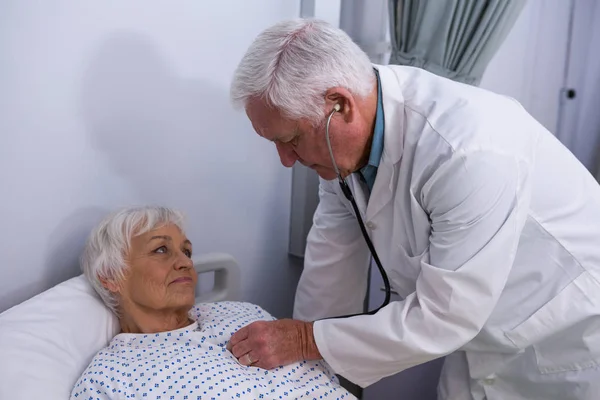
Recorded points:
248,359
242,348
275,343
237,337
250,337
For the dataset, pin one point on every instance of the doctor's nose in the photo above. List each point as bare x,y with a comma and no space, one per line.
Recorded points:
287,155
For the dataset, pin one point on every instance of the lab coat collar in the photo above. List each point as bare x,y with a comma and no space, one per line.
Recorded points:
393,114
393,140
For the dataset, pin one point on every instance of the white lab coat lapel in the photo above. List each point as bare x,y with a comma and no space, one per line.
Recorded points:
393,110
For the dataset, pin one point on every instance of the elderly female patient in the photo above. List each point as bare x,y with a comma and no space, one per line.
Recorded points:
139,262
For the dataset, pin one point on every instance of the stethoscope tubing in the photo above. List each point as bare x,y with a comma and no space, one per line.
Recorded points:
348,194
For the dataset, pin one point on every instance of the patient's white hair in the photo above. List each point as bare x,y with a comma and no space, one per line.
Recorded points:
292,65
109,243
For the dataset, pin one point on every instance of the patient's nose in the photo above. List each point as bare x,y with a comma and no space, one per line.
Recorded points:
184,262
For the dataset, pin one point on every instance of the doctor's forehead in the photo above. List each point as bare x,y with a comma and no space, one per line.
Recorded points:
267,121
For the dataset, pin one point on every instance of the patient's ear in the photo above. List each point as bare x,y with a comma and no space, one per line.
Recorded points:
109,284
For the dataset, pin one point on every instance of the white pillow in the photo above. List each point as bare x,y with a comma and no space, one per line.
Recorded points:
47,341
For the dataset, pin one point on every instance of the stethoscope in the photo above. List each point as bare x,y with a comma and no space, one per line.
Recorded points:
348,193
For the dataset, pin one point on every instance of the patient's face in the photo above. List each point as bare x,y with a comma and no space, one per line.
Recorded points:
161,275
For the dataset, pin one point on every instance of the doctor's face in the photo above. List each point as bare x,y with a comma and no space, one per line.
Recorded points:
299,140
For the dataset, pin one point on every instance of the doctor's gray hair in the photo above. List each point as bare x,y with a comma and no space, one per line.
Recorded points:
292,64
105,253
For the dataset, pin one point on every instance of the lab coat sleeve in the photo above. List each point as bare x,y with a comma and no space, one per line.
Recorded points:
335,275
477,204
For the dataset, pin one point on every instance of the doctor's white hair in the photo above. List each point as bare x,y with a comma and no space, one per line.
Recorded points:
105,253
292,64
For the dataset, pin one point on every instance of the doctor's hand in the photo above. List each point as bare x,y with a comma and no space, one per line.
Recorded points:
270,344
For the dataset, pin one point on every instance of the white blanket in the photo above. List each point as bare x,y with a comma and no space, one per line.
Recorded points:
193,363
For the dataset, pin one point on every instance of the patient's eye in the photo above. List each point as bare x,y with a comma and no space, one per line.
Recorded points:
188,253
161,250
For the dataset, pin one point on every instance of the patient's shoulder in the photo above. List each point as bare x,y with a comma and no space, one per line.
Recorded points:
92,380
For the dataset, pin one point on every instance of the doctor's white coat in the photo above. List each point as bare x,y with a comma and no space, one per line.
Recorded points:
490,231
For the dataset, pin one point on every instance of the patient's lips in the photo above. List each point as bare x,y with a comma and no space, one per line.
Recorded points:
183,279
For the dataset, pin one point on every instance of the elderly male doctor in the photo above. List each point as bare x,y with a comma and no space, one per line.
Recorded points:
485,224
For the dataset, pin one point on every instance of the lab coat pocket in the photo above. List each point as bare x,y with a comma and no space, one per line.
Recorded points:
565,332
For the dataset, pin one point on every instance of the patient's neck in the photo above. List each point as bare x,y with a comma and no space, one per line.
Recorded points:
153,321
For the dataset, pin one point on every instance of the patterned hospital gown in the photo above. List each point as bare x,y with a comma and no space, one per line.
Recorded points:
193,363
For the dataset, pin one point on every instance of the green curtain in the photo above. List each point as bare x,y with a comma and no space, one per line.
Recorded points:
452,38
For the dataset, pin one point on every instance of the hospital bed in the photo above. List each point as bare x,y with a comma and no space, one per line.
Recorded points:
47,341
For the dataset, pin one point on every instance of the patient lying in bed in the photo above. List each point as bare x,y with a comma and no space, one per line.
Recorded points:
139,262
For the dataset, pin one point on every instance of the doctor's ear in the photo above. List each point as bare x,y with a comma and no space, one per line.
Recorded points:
341,100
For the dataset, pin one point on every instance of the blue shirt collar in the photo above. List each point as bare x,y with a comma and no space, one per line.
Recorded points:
369,171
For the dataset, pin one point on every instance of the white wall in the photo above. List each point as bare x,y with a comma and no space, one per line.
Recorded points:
580,121
541,59
112,103
367,23
530,64
328,10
